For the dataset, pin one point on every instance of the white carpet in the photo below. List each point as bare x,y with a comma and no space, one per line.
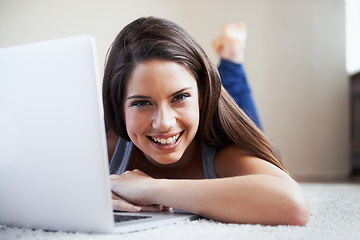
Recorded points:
335,214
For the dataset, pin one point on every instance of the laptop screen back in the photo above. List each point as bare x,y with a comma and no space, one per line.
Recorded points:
53,158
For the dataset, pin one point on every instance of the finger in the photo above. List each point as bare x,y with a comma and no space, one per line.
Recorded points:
124,206
120,204
151,208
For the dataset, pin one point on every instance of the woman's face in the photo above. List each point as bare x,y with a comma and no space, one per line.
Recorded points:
161,108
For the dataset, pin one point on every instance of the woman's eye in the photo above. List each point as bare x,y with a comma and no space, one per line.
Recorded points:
180,97
140,103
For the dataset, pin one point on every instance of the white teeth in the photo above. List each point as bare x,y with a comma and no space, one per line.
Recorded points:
164,141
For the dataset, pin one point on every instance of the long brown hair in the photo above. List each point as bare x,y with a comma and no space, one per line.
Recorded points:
222,122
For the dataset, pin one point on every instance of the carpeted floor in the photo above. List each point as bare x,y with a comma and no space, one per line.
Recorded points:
335,214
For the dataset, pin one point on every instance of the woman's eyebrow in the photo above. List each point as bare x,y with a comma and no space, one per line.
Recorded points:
147,97
180,91
138,97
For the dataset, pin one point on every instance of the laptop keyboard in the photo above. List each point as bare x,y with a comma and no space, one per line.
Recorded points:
125,218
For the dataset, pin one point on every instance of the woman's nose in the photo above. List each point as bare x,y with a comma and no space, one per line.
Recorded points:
164,119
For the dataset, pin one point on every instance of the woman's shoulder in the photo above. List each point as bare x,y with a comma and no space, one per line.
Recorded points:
228,158
233,161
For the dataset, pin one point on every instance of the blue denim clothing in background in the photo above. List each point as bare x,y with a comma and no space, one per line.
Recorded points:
235,82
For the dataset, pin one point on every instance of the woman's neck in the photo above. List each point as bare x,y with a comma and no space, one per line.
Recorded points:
188,166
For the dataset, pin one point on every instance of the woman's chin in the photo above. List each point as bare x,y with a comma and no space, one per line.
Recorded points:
168,161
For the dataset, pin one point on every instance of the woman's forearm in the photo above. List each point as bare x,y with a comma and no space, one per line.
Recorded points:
259,199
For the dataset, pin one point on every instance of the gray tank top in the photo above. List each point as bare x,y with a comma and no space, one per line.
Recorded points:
123,150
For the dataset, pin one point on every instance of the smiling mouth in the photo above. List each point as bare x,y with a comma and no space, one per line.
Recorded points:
166,141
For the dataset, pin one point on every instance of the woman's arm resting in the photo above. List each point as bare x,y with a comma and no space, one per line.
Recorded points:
255,198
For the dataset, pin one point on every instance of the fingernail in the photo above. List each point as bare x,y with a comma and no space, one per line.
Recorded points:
137,209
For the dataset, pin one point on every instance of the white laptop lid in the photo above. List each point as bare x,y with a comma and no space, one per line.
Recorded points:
52,133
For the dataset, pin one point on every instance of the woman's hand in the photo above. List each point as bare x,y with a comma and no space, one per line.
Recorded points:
129,192
120,204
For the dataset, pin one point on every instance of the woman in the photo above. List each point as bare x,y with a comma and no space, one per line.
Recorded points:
184,143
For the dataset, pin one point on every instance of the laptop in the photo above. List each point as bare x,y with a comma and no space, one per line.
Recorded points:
54,172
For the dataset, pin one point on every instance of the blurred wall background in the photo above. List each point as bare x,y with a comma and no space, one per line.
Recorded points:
295,60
